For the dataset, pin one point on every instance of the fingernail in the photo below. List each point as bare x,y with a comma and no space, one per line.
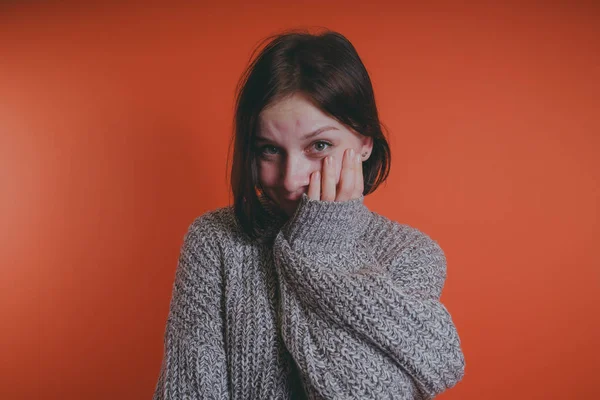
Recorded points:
351,154
358,158
329,160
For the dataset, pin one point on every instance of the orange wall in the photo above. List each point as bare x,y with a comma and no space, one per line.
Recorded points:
114,126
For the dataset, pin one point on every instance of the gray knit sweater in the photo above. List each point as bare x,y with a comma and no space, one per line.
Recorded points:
343,303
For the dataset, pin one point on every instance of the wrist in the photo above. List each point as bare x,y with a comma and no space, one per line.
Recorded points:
327,224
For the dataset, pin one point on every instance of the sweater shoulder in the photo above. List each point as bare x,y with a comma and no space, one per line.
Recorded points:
215,228
218,223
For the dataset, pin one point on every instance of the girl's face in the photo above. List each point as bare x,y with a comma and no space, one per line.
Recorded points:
293,138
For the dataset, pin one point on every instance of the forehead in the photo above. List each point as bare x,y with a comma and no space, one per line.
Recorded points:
292,115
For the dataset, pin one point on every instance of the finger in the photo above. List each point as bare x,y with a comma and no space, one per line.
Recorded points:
359,186
328,180
314,187
347,176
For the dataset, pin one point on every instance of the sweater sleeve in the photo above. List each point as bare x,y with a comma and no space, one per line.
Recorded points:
194,360
360,326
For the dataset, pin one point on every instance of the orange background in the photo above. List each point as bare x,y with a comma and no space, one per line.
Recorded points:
114,130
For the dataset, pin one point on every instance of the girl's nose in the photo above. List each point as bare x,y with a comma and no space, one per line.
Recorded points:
295,174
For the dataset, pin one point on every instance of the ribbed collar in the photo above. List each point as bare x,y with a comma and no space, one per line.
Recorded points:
273,217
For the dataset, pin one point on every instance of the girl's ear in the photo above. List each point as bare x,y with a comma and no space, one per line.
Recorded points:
366,148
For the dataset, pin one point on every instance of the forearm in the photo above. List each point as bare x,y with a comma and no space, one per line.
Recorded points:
334,362
349,289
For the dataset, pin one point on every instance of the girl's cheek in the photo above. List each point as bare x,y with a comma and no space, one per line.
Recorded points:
267,174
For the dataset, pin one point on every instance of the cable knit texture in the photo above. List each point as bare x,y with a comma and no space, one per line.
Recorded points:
342,303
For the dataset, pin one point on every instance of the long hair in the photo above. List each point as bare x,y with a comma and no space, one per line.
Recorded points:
324,67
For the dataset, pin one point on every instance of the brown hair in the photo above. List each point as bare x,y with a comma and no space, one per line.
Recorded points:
324,67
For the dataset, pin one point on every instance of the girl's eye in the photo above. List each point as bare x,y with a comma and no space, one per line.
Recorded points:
321,146
268,150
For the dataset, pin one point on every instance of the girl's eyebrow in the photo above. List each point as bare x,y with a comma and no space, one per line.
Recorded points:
305,136
319,131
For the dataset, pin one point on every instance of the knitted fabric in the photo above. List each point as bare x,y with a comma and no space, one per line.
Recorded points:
343,303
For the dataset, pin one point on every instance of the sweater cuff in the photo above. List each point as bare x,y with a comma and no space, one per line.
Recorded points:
327,224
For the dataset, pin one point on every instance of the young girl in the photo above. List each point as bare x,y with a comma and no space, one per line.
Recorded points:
298,290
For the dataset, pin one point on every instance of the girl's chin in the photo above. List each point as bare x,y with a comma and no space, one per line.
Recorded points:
288,207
